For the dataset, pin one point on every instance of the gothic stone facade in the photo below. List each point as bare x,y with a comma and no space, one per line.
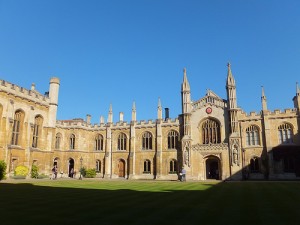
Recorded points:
212,139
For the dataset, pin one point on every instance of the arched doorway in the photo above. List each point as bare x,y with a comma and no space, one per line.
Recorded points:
212,168
121,168
71,166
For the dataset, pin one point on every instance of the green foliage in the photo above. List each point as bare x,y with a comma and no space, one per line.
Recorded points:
83,171
21,171
34,171
90,173
42,176
2,169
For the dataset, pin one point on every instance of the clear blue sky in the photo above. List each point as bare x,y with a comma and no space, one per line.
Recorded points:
108,51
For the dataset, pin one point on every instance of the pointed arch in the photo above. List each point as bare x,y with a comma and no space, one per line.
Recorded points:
99,142
252,135
210,130
17,127
72,141
173,137
122,141
58,140
285,133
147,140
37,128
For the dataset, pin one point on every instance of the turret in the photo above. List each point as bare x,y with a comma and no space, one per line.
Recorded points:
296,99
110,114
185,94
133,112
231,89
231,98
159,110
263,100
53,95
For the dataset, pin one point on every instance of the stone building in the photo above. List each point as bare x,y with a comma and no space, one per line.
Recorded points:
212,139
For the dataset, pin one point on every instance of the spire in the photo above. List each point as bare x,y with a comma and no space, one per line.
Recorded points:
133,112
297,89
159,110
110,114
230,78
185,84
263,99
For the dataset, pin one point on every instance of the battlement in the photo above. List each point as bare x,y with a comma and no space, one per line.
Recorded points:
81,124
31,95
284,112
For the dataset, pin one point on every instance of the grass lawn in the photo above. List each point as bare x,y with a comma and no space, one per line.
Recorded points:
88,202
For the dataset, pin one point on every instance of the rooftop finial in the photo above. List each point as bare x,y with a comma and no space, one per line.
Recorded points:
297,89
133,106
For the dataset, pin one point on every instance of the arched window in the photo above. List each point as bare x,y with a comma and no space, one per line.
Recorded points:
285,134
254,165
147,141
172,140
98,166
57,140
173,166
99,142
252,136
122,141
147,166
38,121
210,132
16,131
72,142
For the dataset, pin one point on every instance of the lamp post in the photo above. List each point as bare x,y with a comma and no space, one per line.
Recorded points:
81,159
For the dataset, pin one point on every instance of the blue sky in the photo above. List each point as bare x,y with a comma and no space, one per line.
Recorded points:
109,51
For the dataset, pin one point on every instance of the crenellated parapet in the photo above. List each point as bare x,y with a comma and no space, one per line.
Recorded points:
276,114
30,95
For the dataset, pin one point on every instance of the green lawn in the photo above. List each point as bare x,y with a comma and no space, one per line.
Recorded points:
89,202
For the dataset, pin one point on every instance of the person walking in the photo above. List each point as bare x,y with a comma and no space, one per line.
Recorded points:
183,174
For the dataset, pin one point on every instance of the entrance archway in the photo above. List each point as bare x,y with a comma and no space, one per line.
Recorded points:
212,168
121,168
71,166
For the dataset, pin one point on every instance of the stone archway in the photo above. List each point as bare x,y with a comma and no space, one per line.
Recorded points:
212,165
71,167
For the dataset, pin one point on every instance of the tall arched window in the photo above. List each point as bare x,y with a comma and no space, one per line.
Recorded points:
285,134
210,132
254,165
173,166
57,140
98,166
172,140
72,141
147,141
16,131
252,136
99,142
122,142
147,166
38,121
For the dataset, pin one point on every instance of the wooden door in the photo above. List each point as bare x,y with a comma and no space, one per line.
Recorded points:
121,166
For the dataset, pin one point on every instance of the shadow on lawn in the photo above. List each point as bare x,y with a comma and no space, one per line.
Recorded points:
223,203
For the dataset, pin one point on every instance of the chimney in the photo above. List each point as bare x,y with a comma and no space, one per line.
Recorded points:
167,113
88,118
121,116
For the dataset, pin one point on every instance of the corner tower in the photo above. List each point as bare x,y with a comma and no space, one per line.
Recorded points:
186,117
235,151
53,95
